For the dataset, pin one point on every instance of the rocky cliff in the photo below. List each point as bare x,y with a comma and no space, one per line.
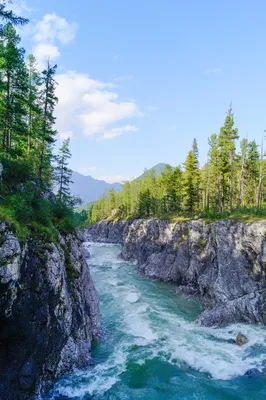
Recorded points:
224,263
49,313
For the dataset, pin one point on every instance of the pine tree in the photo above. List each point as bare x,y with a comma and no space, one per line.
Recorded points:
10,16
33,103
252,165
47,132
191,182
63,173
214,174
205,186
195,148
243,172
112,199
226,148
261,173
127,198
14,87
197,170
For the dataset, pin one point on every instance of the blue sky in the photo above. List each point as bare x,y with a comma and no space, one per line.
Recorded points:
138,80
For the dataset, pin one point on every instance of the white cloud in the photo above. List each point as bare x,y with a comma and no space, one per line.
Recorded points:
44,52
119,131
87,104
212,71
52,28
50,31
103,111
114,178
86,170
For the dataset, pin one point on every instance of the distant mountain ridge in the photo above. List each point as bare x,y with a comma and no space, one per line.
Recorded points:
90,189
158,168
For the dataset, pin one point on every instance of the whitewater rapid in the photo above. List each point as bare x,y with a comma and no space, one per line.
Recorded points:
152,347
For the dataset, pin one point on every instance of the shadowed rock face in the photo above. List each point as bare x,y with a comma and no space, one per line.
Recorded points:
224,263
49,313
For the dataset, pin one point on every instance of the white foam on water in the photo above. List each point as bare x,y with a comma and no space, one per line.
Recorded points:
206,349
138,325
105,255
203,349
158,331
133,297
113,282
97,380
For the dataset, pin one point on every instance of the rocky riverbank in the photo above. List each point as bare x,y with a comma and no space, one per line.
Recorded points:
49,313
224,263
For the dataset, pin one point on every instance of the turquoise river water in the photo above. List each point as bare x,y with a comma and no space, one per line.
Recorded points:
153,349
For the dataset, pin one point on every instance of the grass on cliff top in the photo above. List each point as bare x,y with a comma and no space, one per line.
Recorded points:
32,229
239,215
7,215
245,215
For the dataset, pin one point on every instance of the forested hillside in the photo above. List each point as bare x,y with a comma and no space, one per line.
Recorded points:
229,182
29,167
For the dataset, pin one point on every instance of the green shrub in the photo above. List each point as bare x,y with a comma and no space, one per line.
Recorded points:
43,212
63,218
42,232
7,215
15,173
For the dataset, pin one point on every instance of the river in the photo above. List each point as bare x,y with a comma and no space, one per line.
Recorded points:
153,349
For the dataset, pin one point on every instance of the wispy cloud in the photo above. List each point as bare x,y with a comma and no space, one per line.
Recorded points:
48,33
112,133
212,71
